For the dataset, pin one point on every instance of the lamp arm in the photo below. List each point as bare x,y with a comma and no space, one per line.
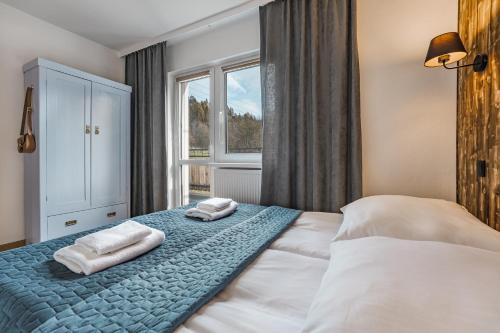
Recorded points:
461,66
479,64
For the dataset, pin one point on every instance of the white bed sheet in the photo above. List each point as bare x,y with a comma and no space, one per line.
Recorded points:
274,293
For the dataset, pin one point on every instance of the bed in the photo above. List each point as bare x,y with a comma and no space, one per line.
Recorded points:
160,290
388,264
274,293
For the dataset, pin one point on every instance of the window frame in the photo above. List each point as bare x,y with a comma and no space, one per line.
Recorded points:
180,116
182,164
221,132
217,124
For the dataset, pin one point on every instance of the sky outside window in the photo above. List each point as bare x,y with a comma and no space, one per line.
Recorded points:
198,92
244,112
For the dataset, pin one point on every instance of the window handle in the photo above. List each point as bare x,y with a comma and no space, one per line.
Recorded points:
221,127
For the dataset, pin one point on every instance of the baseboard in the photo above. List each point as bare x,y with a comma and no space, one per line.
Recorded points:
13,245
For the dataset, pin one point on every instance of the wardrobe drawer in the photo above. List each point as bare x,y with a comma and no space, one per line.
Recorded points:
67,224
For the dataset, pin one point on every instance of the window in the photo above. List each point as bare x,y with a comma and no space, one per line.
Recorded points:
243,110
195,182
238,136
219,119
195,116
194,140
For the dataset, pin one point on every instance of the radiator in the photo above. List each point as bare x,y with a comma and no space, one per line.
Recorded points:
241,185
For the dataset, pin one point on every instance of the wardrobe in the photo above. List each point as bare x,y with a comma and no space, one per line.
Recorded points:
78,178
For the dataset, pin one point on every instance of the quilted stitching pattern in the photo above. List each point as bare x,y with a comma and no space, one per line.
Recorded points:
155,292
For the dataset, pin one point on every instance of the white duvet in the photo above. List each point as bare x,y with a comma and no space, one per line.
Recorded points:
274,293
371,284
389,285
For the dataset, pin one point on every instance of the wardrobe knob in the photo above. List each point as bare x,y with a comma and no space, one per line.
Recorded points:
97,130
87,129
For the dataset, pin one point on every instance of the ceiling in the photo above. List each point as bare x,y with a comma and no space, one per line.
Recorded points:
118,24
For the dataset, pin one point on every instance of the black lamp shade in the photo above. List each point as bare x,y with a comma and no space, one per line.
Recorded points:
446,48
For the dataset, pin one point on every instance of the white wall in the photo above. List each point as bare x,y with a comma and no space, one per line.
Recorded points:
238,36
23,38
408,111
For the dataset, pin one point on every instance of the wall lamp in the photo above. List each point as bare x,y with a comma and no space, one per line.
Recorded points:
448,48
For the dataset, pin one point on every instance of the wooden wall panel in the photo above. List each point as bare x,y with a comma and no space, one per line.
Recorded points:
478,131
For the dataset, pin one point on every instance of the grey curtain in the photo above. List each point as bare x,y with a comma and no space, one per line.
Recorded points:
145,71
311,157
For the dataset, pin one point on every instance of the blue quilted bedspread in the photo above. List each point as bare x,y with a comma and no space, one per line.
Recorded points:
152,293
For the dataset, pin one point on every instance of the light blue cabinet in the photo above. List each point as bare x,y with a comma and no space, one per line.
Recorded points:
109,156
78,178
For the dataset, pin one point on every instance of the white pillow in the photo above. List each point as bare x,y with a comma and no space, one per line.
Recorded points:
388,285
413,218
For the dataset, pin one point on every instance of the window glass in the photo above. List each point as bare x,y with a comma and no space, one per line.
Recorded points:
243,111
195,182
196,116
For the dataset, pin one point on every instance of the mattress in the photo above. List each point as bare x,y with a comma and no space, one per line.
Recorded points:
273,293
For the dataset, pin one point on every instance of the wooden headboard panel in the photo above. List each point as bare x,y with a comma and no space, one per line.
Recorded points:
478,119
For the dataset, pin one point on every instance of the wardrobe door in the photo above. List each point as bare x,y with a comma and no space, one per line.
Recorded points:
109,145
68,143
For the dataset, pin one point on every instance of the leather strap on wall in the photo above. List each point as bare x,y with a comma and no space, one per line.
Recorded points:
26,142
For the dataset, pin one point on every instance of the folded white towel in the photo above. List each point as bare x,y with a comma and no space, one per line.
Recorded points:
210,216
115,238
80,260
214,204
